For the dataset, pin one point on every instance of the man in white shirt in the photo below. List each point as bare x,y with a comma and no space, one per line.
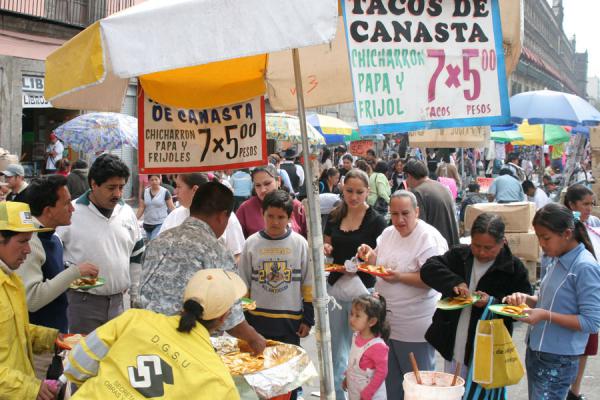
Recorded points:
54,153
104,231
536,195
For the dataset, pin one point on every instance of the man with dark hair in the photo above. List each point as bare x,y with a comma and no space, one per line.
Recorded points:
44,275
536,195
178,253
436,206
371,158
105,232
506,188
77,180
295,171
513,165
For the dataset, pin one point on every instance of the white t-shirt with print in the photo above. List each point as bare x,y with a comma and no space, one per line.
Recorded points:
410,308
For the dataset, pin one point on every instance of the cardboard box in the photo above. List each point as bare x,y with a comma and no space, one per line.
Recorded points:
524,245
516,216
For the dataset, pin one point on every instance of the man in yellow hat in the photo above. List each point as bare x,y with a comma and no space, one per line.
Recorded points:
18,338
142,354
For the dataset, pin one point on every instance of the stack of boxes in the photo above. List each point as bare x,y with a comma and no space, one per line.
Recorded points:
520,236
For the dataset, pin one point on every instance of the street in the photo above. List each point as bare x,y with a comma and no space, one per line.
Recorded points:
590,387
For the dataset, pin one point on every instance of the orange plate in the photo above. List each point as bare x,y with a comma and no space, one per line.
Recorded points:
64,344
334,268
365,268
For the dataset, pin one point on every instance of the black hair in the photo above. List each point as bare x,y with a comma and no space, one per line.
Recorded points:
268,169
80,164
329,172
191,314
381,167
558,218
62,164
506,171
363,166
43,192
6,235
527,184
338,213
105,167
416,169
548,178
278,199
326,155
371,152
348,157
490,224
576,193
212,198
474,187
375,307
194,179
513,156
158,175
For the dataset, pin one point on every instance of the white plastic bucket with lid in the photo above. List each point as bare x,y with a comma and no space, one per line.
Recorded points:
441,390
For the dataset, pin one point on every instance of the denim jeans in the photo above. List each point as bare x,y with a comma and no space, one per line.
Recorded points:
341,340
549,375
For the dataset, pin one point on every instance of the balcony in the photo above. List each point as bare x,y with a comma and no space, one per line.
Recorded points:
77,13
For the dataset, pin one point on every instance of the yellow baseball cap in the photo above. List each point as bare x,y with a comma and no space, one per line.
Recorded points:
16,217
216,290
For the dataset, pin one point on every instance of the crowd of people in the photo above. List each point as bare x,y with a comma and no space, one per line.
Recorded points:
183,270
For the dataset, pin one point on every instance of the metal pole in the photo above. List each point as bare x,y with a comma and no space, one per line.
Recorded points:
543,160
315,244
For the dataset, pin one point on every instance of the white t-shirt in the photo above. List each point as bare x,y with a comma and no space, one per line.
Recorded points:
460,343
410,308
58,148
232,238
540,198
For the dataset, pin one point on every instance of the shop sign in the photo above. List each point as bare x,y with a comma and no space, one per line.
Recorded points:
473,136
426,64
177,140
32,93
359,148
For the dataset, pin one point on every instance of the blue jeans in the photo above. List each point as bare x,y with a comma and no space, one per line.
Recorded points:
549,375
341,340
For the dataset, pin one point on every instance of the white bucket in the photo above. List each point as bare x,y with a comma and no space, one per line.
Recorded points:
428,391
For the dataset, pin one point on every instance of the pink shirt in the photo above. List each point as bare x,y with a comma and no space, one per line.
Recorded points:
251,217
375,358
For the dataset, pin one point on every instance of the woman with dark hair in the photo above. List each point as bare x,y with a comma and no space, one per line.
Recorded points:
266,180
114,356
487,268
326,161
157,204
397,178
328,182
349,225
379,188
581,199
567,309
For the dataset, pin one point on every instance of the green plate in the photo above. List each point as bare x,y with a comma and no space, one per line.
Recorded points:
444,303
99,282
497,309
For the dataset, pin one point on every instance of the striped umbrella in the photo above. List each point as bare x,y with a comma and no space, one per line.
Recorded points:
98,132
334,130
286,128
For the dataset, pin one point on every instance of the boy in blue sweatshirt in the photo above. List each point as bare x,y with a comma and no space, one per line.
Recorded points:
274,265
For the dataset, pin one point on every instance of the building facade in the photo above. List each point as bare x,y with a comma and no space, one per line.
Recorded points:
548,59
29,31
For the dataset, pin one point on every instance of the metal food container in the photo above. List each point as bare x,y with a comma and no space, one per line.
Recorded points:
285,368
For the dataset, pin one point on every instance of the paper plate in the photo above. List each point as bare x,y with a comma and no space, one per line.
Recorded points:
443,304
362,268
248,304
69,341
99,282
497,309
334,268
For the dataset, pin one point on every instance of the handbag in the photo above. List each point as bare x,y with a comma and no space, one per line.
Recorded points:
347,287
475,390
381,206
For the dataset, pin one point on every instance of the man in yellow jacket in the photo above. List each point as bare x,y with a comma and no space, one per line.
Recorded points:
18,338
142,354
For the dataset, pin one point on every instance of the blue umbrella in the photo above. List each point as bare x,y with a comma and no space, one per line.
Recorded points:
550,107
96,132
